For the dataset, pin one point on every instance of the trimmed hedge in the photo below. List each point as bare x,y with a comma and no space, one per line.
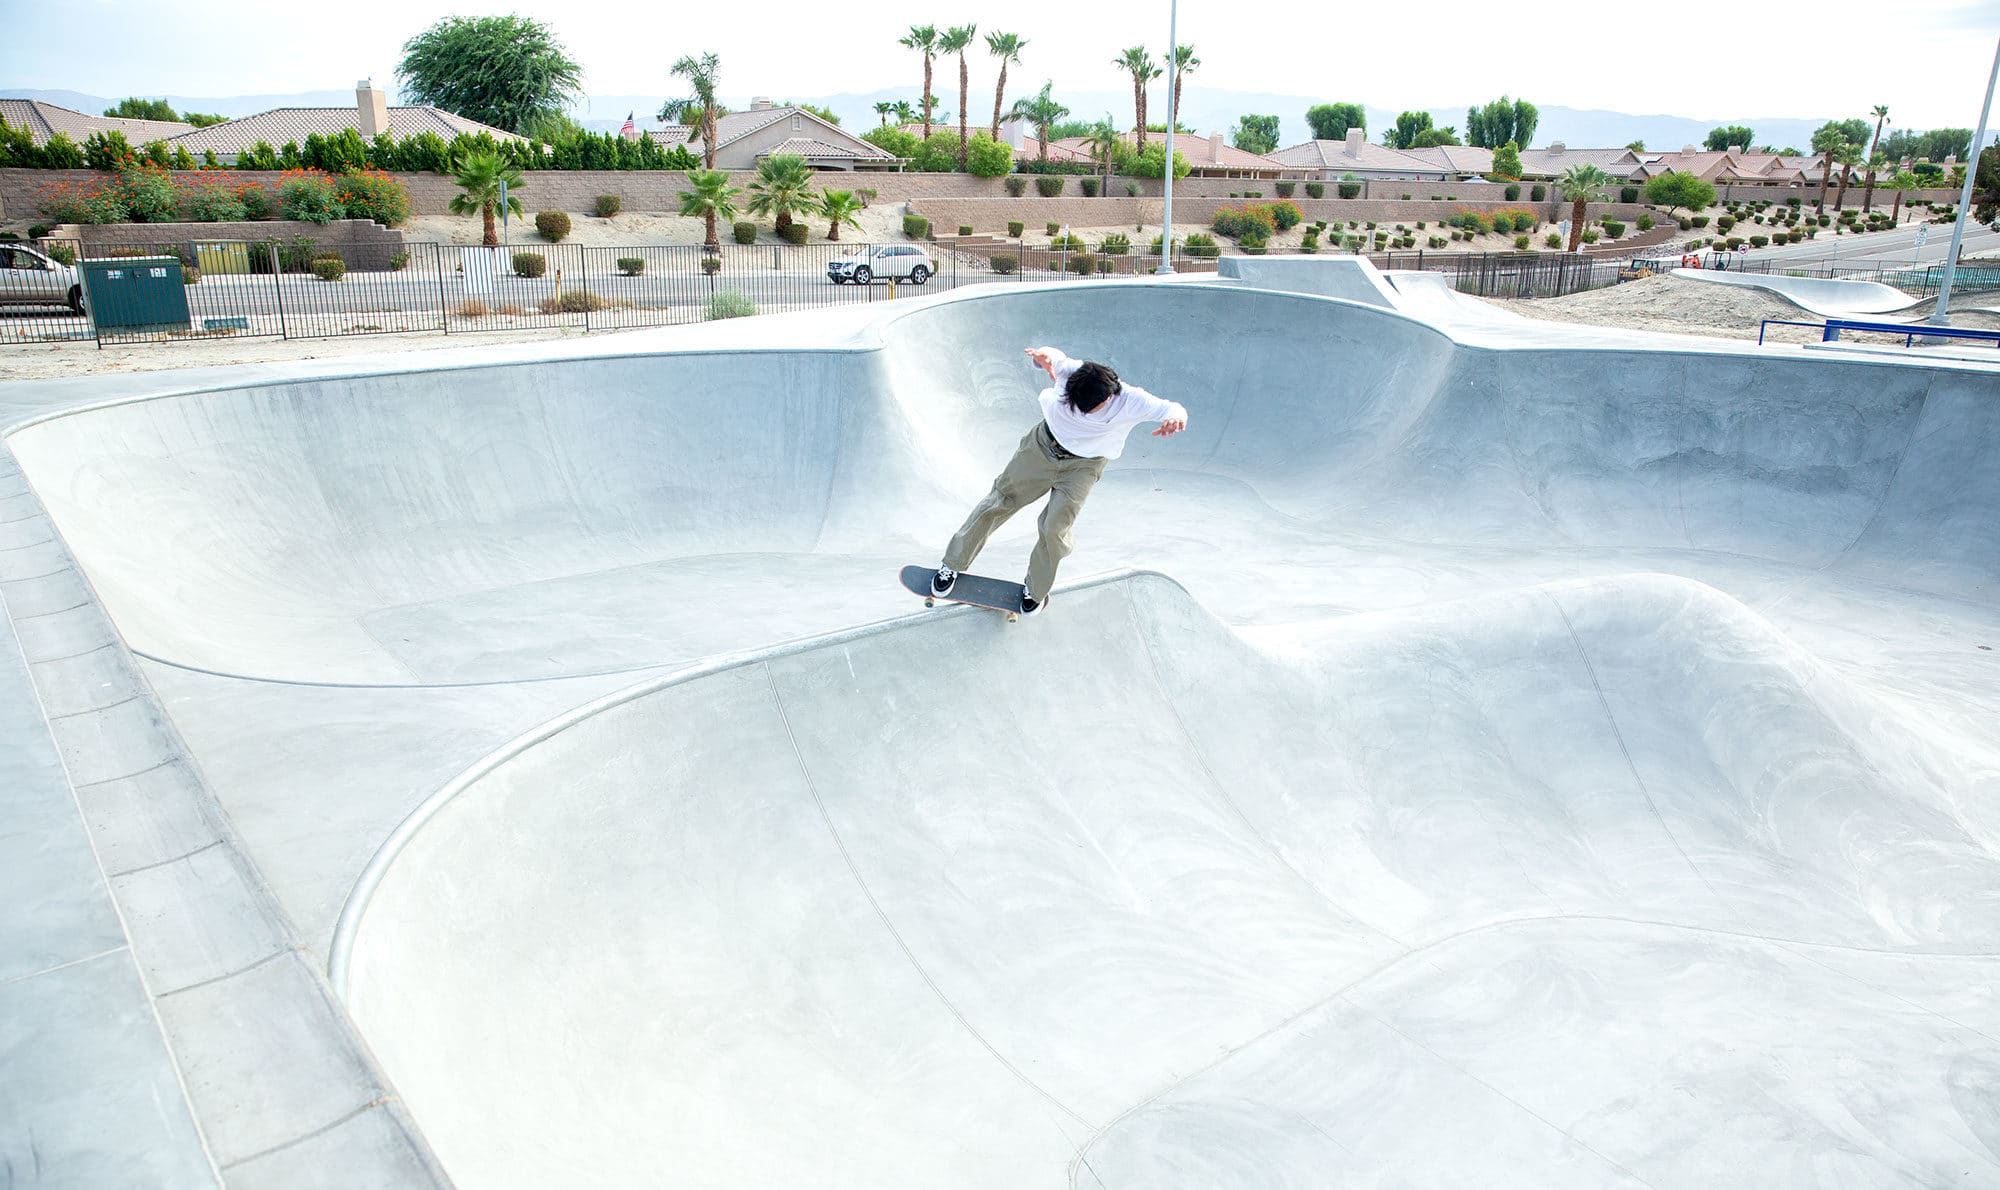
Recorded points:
1015,227
916,226
794,233
1016,185
554,225
530,264
744,232
631,266
327,268
607,205
1049,185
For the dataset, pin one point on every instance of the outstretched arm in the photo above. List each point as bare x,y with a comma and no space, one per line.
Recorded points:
1170,415
1049,359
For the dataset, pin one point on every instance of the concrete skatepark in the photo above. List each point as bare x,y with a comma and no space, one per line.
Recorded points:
1473,753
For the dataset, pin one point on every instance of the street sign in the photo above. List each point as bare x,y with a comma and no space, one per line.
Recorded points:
1923,233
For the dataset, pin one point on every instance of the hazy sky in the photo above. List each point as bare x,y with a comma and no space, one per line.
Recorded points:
1927,59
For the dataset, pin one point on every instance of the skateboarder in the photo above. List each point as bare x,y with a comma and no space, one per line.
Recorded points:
1086,414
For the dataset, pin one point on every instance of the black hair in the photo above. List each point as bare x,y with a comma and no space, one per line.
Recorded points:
1090,386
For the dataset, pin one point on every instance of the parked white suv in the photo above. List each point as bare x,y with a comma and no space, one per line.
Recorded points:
896,261
30,277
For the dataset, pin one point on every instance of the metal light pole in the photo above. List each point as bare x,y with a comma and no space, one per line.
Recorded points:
1965,196
1167,173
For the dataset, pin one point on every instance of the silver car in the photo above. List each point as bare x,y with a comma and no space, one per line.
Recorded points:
30,277
896,261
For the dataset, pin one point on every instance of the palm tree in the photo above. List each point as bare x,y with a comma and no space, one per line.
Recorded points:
1101,144
1826,141
712,198
1043,112
1881,113
1185,63
1140,65
1849,156
1007,47
883,109
1583,184
839,207
783,187
955,41
479,176
1897,183
701,74
905,114
1876,161
923,39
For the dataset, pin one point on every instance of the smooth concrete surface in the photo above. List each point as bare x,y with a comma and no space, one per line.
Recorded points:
1353,278
1526,756
1828,297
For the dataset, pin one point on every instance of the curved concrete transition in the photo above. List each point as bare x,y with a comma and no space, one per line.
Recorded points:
1828,297
1446,764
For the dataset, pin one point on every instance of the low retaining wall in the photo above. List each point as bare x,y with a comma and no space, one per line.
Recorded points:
989,216
364,244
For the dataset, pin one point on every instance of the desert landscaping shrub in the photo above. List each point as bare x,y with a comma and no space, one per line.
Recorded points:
1004,265
1285,213
553,225
1645,223
208,201
298,255
607,205
1285,189
1734,242
1309,243
581,301
1628,194
1131,190
1553,240
1613,229
1513,191
1699,221
1015,227
1590,235
1350,189
1016,185
1725,223
472,308
631,266
1759,241
965,229
1537,192
1199,244
1116,244
730,304
309,196
1088,186
795,233
398,261
1054,228
329,267
1069,243
711,265
1049,185
916,227
1521,243
530,264
1081,263
1436,242
744,232
1315,189
1795,235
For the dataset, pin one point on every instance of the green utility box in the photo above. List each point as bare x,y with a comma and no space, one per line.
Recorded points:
222,256
136,293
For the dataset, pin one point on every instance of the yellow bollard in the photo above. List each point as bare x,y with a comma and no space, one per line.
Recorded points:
892,289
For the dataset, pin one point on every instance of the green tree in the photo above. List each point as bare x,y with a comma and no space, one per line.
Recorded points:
702,74
903,111
1875,164
884,109
1855,131
957,40
711,199
202,119
1431,138
938,154
840,208
479,176
1675,190
1330,121
1935,145
1507,162
1255,134
502,71
988,158
1151,161
1102,144
1881,113
1581,184
1726,137
1636,146
1849,156
1044,113
924,40
1898,183
1501,121
132,108
1408,126
893,141
1007,48
1185,64
1827,141
1136,62
782,189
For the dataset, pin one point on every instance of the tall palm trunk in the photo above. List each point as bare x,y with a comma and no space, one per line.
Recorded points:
1868,195
708,141
711,244
492,237
1139,108
1041,142
1173,113
1825,180
964,94
999,91
927,96
1898,208
1840,195
1575,223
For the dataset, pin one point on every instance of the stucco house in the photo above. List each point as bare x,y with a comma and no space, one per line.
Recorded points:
1558,159
1331,160
370,115
44,120
742,139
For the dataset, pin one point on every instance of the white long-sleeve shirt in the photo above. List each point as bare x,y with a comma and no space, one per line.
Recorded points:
1101,432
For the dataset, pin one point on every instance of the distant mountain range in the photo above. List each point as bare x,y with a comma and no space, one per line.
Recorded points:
1203,109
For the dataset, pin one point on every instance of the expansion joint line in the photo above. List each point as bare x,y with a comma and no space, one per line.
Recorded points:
1618,734
882,914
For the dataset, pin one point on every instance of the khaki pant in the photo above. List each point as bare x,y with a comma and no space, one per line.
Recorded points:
1034,472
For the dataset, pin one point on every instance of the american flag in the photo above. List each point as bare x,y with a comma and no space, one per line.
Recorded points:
629,128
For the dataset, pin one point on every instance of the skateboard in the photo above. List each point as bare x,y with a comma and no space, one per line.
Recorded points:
975,590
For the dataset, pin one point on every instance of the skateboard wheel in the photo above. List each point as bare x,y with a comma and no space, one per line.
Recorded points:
1013,617
929,602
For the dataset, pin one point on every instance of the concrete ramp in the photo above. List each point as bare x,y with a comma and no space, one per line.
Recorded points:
1112,898
1825,296
1352,278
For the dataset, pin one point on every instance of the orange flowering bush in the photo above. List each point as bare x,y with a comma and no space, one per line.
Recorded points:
310,196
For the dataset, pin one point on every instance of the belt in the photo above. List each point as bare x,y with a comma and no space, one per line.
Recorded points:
1056,448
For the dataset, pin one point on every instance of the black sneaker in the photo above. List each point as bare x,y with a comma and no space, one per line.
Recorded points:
942,581
1029,604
